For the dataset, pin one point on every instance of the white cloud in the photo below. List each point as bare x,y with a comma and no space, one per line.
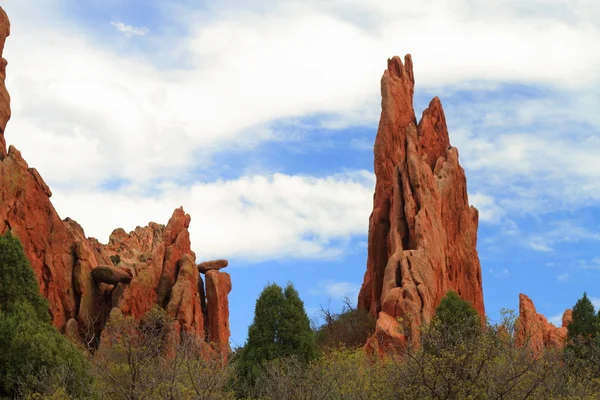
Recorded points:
255,218
92,111
556,320
539,244
489,211
562,277
134,120
337,290
564,231
129,30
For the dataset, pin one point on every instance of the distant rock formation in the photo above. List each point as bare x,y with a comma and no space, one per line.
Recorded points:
534,330
84,279
422,231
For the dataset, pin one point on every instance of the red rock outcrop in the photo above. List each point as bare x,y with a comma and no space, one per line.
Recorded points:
422,231
84,279
218,286
534,330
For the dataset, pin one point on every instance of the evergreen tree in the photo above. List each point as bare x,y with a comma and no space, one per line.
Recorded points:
34,356
585,320
280,329
17,280
583,339
295,334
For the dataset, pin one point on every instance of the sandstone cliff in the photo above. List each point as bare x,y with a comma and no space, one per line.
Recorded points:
84,279
422,231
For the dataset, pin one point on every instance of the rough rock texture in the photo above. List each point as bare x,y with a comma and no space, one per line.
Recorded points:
534,330
84,279
422,231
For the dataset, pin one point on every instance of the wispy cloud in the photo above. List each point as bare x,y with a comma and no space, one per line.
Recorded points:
337,290
503,273
129,30
562,277
538,243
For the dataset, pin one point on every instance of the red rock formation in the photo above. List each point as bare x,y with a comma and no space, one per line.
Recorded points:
422,231
218,286
534,330
84,279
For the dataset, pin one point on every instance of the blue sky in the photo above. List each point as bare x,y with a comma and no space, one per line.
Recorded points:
259,118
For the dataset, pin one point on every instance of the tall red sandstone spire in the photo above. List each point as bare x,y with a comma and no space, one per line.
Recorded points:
422,231
84,279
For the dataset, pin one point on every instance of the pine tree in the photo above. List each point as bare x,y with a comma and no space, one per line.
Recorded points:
585,320
280,329
295,334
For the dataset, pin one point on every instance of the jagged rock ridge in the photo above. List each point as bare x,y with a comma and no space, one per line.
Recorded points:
422,231
534,330
84,279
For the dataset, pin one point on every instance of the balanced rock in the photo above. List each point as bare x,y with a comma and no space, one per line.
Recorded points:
206,266
422,231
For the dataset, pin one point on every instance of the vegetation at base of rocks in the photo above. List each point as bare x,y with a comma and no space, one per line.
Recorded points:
35,359
460,356
350,328
148,359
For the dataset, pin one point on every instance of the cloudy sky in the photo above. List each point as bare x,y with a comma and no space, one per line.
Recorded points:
259,118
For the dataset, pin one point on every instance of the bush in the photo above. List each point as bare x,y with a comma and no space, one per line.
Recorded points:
349,328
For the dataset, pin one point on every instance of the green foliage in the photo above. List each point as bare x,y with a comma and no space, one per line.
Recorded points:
280,328
34,356
456,319
585,321
583,350
17,280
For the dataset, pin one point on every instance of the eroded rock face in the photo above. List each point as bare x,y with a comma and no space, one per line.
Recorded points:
84,279
534,330
422,231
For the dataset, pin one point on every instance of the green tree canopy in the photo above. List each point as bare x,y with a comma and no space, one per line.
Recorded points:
17,281
280,328
585,320
456,320
34,356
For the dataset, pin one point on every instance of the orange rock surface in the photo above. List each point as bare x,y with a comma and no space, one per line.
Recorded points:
534,330
422,231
